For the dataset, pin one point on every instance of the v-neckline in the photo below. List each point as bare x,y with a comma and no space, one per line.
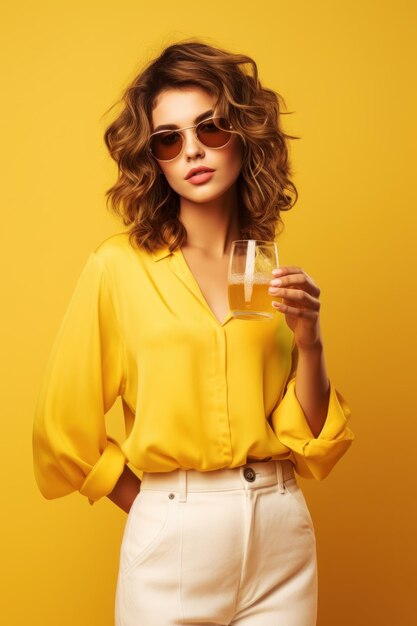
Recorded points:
181,257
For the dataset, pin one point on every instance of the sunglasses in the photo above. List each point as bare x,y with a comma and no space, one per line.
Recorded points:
214,132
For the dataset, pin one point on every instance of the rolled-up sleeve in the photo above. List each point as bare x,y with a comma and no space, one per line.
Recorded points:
84,375
313,457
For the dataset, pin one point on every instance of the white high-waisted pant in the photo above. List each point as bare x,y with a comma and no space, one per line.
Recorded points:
232,547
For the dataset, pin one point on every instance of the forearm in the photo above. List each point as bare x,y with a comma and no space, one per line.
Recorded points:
125,490
312,386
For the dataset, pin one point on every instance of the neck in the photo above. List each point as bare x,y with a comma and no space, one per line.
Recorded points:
211,226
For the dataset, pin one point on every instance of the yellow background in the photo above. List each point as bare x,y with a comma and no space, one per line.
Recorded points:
347,71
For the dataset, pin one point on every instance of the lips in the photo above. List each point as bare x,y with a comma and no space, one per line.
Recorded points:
198,170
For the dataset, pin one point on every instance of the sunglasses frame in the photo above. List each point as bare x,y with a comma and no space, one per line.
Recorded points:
180,130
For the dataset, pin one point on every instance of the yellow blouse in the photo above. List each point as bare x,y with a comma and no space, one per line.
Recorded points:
196,393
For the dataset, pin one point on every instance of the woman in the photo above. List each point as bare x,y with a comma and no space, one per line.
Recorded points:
220,413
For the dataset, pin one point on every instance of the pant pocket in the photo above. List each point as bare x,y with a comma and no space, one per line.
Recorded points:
145,527
295,492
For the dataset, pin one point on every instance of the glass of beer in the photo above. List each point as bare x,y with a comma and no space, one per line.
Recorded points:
250,272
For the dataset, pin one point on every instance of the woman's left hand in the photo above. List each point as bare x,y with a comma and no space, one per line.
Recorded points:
300,304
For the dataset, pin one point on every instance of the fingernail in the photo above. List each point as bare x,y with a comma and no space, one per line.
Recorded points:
277,271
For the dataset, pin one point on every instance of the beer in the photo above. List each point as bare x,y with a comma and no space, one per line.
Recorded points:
249,279
258,302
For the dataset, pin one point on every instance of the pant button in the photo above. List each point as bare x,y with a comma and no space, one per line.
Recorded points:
171,496
249,474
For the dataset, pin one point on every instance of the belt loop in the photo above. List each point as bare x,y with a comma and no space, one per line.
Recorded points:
280,477
182,479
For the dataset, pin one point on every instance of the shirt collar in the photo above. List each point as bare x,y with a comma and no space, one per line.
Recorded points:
161,253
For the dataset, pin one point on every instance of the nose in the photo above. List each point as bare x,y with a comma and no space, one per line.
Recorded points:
192,147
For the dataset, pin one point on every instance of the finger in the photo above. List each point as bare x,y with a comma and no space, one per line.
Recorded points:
287,269
290,310
301,279
298,281
296,296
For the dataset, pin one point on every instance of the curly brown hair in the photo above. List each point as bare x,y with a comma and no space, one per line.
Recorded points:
144,199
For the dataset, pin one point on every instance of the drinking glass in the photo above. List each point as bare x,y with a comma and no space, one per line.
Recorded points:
250,272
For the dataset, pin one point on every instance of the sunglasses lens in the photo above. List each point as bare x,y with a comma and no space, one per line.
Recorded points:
166,145
213,134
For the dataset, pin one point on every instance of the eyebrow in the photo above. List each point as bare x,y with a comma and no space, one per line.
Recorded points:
198,119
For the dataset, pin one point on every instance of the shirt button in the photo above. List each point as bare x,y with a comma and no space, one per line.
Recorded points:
249,474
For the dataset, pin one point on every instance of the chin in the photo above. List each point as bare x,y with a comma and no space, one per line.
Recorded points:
200,195
204,198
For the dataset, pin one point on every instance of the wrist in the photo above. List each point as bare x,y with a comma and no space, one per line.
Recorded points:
316,347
